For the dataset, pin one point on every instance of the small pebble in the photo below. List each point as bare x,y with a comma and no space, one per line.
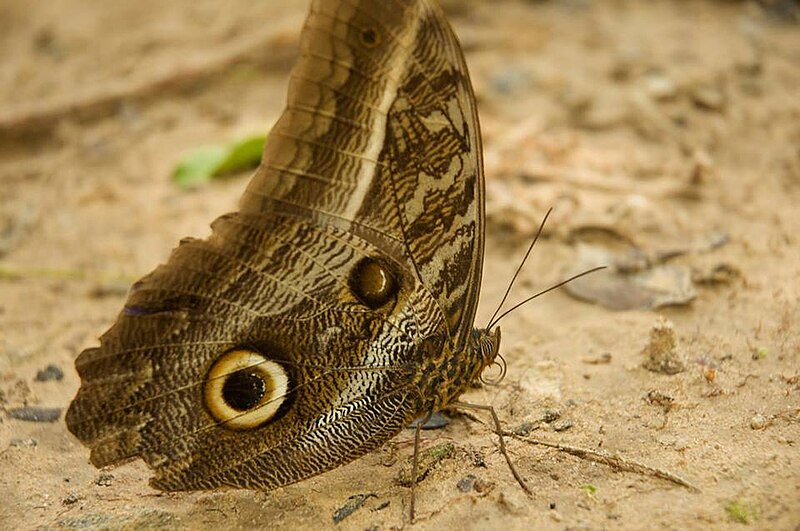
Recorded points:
562,425
466,483
23,443
35,414
524,429
603,359
478,460
758,422
438,420
104,480
50,373
667,440
71,499
551,415
661,353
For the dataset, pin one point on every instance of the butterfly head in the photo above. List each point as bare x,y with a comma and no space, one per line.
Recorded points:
487,343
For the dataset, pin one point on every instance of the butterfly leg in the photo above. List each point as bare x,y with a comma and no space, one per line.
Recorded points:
498,429
415,461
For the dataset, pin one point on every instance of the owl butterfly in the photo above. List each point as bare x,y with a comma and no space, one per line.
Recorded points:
336,306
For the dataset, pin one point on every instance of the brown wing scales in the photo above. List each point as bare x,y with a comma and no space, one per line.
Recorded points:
376,156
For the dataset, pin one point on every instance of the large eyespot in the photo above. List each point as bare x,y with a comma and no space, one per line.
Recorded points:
244,389
372,283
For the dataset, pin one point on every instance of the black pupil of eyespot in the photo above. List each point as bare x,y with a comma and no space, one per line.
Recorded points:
372,283
243,390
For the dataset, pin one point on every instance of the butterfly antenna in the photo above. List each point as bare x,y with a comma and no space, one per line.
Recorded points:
521,264
551,288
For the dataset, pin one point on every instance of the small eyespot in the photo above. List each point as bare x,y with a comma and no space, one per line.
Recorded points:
370,38
244,390
372,283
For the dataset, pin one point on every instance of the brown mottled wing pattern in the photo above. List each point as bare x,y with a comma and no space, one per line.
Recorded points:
376,156
386,140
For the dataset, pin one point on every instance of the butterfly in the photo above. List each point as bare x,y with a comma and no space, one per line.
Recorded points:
337,304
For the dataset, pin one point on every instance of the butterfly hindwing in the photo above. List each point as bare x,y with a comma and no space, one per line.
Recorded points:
356,254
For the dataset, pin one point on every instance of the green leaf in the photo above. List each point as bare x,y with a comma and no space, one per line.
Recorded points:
741,511
198,167
243,155
206,163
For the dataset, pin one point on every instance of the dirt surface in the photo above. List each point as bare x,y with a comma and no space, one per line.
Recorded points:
664,134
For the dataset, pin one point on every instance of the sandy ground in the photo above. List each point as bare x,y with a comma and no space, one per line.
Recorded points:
666,136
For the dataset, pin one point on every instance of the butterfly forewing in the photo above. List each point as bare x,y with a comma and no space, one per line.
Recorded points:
384,135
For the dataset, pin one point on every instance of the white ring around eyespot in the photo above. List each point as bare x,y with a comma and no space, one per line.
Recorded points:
276,382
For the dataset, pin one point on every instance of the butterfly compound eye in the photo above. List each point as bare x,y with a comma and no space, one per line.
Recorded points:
372,283
243,389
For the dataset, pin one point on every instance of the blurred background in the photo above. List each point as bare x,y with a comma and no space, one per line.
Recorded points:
666,137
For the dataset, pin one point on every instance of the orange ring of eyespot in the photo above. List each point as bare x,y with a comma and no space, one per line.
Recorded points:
273,375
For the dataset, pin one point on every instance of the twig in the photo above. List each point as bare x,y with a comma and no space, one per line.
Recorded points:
614,461
258,51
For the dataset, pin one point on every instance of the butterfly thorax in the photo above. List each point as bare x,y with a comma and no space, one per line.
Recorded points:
445,377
